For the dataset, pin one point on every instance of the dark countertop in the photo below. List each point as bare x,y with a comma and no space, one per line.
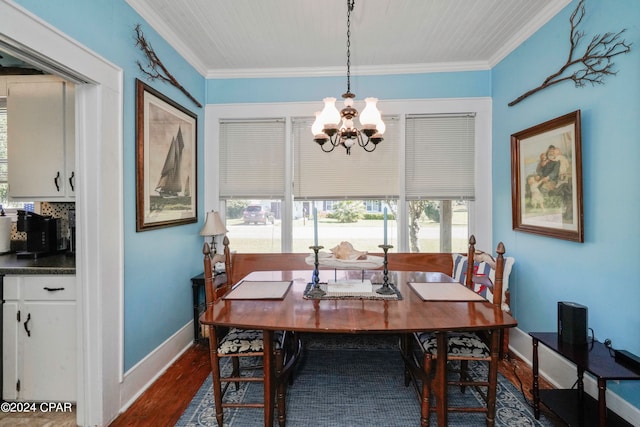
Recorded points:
51,264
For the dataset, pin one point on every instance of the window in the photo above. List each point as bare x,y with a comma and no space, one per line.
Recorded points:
348,191
336,175
438,225
424,173
345,220
8,206
254,226
252,158
440,179
373,206
439,157
3,151
252,182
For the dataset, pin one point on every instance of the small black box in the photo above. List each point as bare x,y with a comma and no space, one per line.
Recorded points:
572,323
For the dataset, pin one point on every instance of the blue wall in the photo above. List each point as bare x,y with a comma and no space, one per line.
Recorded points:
159,263
406,86
599,273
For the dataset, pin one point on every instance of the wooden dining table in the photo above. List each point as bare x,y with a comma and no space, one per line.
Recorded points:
409,313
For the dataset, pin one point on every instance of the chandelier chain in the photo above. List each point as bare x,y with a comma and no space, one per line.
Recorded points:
333,128
350,4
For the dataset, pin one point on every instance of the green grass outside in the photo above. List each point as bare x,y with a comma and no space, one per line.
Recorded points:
253,245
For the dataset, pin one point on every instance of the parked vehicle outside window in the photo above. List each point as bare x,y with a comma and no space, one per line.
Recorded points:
257,214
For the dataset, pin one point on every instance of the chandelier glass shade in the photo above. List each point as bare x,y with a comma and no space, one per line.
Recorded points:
333,128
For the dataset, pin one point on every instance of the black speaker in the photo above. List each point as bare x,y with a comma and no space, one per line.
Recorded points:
572,323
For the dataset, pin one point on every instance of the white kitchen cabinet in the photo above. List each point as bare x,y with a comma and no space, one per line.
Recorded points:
40,138
39,338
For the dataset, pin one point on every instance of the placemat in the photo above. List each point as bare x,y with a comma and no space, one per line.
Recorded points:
354,295
262,289
436,291
349,286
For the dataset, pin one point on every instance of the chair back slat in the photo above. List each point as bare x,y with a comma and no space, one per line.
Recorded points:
213,290
228,261
209,292
472,279
470,261
497,286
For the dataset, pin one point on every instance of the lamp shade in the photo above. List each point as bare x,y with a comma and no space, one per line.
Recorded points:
213,225
381,127
330,116
316,128
370,116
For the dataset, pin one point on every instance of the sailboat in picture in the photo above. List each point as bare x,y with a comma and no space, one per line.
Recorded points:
170,185
187,188
166,167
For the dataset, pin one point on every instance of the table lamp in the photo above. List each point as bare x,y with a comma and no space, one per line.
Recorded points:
213,227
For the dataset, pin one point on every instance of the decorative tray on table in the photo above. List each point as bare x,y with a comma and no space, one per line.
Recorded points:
329,260
345,257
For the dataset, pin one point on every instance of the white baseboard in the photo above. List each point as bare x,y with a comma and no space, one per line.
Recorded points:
562,374
144,373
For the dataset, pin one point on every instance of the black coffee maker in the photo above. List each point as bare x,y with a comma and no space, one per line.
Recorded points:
44,234
72,233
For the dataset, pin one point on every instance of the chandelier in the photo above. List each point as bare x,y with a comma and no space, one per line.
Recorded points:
333,128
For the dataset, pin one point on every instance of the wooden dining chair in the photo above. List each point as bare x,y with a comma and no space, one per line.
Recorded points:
244,347
420,349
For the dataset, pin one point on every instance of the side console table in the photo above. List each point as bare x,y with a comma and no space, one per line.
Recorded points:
197,287
574,406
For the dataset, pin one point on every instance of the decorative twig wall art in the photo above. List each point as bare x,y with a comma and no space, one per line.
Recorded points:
594,64
155,69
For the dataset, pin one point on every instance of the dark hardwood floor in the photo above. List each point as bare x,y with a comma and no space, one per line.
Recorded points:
165,401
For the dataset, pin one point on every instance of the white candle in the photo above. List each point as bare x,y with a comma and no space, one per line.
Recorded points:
385,226
315,226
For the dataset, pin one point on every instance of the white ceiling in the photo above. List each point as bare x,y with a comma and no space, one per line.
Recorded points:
263,38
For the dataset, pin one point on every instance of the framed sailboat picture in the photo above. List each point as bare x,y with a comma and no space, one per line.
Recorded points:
166,137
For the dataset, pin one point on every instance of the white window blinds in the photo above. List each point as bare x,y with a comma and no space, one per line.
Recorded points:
252,159
336,175
3,140
439,162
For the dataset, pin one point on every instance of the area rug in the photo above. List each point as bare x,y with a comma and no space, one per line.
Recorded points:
356,380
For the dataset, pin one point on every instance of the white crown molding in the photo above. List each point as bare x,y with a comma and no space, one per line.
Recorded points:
528,30
341,71
168,35
153,19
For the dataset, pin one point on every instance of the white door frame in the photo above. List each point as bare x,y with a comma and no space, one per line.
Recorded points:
99,205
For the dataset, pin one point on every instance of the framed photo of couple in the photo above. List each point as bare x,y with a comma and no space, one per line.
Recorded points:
546,179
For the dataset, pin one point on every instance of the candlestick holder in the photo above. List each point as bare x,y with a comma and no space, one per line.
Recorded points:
315,291
385,289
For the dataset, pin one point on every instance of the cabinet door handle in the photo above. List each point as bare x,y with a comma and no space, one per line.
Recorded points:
26,325
55,181
71,179
46,288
